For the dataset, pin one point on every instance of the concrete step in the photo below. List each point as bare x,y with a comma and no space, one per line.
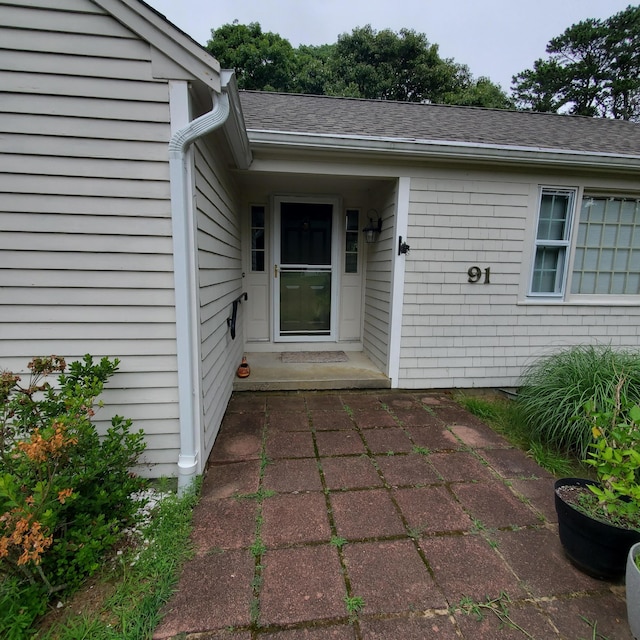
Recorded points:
270,373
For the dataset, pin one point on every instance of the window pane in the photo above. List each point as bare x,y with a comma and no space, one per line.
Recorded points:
305,233
594,235
596,209
547,272
618,283
621,262
606,260
257,238
352,220
257,261
554,209
352,233
603,283
633,283
608,247
627,212
257,216
305,302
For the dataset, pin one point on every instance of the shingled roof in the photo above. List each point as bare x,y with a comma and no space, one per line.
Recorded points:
414,122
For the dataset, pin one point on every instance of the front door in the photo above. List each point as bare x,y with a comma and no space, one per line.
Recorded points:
304,270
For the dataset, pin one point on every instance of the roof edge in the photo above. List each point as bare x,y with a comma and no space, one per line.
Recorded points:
449,149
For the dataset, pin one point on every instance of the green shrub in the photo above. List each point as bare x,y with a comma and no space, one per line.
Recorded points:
20,604
555,389
65,491
615,455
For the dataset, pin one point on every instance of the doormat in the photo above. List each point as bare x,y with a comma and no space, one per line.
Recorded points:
305,357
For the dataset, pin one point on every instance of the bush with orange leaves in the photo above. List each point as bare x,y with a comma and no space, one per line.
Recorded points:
66,491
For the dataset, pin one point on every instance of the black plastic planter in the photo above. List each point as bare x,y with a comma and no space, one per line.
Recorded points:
597,548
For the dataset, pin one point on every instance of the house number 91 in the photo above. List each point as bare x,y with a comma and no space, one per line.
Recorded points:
475,274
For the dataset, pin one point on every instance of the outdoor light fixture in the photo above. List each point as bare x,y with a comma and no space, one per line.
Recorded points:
371,231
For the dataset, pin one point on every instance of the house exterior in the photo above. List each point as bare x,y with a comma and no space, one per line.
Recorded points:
143,194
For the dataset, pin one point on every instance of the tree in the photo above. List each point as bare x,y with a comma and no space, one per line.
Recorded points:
262,61
390,66
593,69
312,70
479,93
363,64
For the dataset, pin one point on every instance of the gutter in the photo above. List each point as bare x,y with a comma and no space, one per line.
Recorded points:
441,149
186,285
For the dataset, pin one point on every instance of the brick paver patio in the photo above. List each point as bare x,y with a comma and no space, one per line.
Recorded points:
378,515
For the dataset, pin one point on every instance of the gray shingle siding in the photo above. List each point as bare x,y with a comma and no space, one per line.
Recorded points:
410,121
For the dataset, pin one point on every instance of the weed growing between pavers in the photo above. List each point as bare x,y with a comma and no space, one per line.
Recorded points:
258,548
483,531
416,532
337,541
354,605
421,450
594,629
497,606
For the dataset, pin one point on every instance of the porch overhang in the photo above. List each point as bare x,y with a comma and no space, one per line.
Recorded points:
442,150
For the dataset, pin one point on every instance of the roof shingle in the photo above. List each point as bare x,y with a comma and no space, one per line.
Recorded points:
410,121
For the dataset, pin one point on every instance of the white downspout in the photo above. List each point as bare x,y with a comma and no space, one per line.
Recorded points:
184,254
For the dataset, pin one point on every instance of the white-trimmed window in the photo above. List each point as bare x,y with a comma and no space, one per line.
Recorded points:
607,260
258,247
553,241
352,234
606,250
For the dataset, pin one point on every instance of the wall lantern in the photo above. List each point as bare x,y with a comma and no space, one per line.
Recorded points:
371,231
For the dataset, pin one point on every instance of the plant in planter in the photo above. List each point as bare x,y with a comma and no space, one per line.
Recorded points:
633,590
599,521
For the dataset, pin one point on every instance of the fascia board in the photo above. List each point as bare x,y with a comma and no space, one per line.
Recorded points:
234,127
164,36
442,149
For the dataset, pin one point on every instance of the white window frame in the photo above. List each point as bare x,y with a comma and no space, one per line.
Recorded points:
609,298
565,243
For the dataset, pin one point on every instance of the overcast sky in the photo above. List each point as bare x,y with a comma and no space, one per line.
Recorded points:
495,38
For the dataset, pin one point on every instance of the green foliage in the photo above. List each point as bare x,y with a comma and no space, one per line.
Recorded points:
65,491
551,460
615,455
354,605
390,66
506,417
555,389
338,541
593,69
148,578
365,63
20,604
262,61
498,606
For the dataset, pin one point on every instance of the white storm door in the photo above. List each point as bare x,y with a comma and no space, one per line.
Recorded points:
305,273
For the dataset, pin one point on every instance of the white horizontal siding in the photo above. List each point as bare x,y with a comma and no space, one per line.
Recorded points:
458,334
74,127
220,282
77,16
145,208
86,262
377,298
79,87
94,108
76,44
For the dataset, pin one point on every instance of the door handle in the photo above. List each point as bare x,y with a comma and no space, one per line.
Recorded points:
275,270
